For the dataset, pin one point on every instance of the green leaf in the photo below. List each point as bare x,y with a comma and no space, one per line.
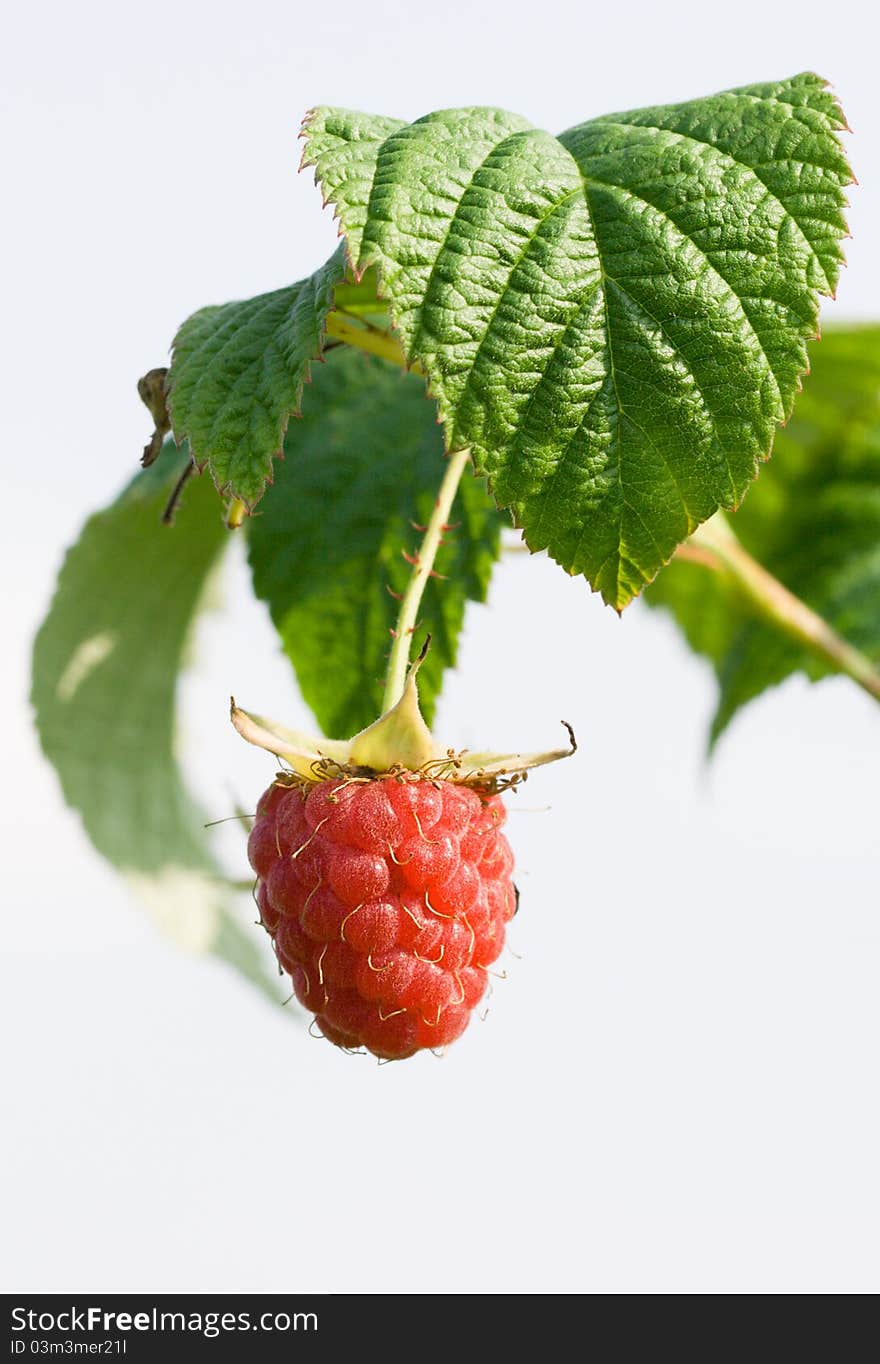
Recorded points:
326,550
615,319
813,519
237,373
105,668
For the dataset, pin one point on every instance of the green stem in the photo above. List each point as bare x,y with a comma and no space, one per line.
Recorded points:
715,546
370,339
423,566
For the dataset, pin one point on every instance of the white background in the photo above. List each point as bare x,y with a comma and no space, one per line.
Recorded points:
675,1090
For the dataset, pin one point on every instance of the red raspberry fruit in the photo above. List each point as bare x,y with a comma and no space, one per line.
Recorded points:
386,900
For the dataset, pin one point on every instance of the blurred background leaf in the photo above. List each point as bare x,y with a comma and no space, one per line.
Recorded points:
105,669
812,519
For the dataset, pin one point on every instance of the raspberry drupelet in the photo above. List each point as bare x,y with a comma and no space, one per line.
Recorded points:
386,900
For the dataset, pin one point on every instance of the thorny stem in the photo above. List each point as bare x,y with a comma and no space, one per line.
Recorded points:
715,546
423,566
351,332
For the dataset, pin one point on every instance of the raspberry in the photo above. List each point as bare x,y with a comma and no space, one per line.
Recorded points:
386,900
383,877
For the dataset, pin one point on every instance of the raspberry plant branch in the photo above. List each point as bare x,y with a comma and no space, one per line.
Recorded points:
714,545
423,567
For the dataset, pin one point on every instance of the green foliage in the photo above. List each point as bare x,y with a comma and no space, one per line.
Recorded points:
812,519
237,374
106,663
614,319
362,468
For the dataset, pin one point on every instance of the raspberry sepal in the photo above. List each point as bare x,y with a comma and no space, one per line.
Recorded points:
399,741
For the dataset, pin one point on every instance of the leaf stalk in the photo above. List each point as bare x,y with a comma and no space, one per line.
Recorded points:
714,545
370,339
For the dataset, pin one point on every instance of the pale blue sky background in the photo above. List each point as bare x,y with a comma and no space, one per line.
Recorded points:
675,1089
